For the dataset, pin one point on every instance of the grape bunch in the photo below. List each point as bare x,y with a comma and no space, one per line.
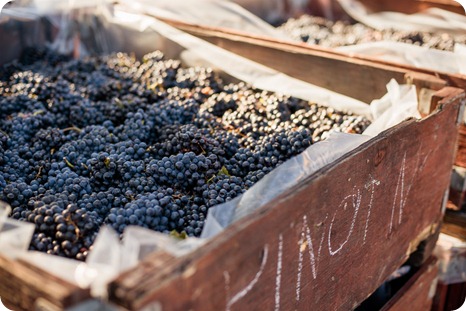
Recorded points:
117,141
324,32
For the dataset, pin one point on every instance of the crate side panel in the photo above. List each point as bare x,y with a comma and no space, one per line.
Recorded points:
418,292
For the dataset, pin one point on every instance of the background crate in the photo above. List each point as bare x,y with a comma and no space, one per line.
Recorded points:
418,292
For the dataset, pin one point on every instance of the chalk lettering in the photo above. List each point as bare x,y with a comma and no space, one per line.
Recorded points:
402,190
371,187
356,201
279,272
306,242
249,287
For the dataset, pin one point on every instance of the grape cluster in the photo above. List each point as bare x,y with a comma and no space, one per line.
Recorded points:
320,31
117,141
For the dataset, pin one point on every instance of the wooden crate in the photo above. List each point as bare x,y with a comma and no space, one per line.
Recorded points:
261,260
327,243
451,288
26,287
418,292
449,296
455,224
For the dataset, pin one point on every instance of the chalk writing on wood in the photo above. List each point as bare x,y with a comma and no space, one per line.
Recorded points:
356,202
370,186
278,277
243,292
306,245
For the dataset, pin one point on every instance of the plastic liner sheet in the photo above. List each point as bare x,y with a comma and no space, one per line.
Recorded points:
141,34
15,236
451,253
4,211
431,20
417,56
214,13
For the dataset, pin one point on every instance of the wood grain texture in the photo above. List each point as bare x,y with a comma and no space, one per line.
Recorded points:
455,224
21,285
449,296
418,293
325,244
461,153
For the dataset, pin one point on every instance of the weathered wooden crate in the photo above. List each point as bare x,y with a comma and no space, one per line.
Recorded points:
419,291
327,243
449,297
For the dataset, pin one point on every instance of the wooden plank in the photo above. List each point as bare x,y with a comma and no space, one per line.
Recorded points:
461,153
440,297
27,284
329,242
452,79
449,296
411,6
455,224
418,293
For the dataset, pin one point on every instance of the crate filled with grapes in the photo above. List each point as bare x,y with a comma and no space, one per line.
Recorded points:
411,35
146,182
422,36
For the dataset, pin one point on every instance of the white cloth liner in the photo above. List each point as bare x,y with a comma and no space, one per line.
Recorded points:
110,256
431,20
408,54
216,13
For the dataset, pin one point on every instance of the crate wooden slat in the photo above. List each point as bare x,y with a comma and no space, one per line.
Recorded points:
455,224
24,286
418,293
327,243
449,296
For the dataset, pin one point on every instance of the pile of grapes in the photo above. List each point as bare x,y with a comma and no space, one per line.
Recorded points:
117,141
320,31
